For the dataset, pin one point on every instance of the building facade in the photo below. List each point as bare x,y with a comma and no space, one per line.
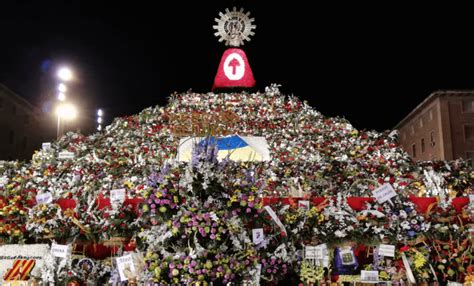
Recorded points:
20,127
440,128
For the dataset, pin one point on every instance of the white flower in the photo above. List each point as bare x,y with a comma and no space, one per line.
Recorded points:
405,225
403,214
339,233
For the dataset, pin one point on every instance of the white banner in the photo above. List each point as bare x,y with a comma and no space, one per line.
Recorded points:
13,253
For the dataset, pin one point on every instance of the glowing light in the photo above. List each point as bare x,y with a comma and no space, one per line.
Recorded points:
62,87
61,96
100,112
66,111
99,120
99,127
65,74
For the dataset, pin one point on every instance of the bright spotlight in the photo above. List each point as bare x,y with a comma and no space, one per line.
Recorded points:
66,111
62,87
65,74
61,96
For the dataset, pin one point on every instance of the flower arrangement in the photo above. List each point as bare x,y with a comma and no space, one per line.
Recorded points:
13,216
49,222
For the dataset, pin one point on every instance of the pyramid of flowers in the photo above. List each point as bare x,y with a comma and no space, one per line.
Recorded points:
196,219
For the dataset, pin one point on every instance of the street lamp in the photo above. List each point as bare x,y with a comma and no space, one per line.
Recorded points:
62,87
99,119
61,96
65,74
64,111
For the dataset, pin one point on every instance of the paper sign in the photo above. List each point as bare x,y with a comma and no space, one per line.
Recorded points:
66,155
387,250
369,276
311,252
275,218
125,267
59,250
384,193
44,198
316,252
471,198
46,146
257,235
303,204
117,195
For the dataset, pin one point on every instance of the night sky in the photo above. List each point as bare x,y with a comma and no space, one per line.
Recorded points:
370,64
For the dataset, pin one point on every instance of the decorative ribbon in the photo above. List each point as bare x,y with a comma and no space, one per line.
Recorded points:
275,218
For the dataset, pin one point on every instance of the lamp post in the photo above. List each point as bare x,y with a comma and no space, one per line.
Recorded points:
64,111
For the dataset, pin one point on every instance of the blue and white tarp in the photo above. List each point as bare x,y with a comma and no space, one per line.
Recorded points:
237,148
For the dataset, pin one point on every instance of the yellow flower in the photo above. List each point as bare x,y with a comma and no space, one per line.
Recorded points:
128,184
419,260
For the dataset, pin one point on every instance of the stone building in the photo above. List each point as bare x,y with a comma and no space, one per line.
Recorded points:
441,127
20,127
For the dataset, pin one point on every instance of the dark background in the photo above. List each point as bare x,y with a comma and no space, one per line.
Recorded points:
369,63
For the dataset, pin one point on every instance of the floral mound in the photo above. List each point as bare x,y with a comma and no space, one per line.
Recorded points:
312,156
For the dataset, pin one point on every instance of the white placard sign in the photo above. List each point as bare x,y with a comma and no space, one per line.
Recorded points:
44,198
311,252
369,276
471,198
303,204
66,155
59,250
13,252
387,250
46,146
125,267
316,252
384,193
257,236
117,195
